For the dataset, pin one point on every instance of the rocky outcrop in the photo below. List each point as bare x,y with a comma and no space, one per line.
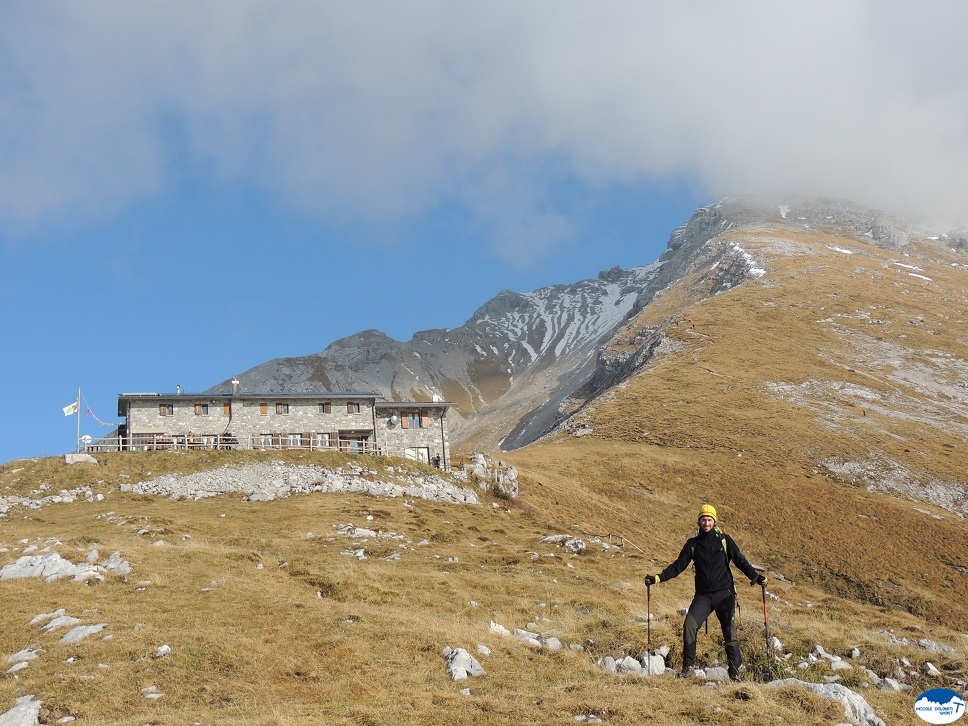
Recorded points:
856,708
265,482
497,476
52,566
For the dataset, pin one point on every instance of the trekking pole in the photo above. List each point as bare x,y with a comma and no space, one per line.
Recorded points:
768,673
648,601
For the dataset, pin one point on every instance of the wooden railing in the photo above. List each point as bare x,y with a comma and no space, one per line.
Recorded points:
248,442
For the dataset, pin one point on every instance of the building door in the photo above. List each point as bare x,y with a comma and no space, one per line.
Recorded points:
417,453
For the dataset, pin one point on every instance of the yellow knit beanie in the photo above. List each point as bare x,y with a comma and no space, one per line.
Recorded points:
708,510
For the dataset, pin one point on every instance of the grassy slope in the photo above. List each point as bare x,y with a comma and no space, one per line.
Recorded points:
703,424
330,639
316,636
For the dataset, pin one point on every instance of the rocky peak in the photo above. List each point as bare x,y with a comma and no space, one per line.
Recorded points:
516,366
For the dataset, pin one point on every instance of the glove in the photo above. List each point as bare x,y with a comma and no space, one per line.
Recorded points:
759,580
651,579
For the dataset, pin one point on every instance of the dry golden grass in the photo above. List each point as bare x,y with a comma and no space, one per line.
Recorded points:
318,637
315,636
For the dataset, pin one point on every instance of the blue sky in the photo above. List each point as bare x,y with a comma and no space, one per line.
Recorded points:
190,189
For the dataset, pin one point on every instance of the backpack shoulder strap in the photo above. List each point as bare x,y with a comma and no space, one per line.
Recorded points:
722,539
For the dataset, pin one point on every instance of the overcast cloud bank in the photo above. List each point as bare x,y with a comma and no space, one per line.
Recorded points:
388,109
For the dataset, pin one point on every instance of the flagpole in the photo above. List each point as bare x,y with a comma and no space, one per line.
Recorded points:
77,447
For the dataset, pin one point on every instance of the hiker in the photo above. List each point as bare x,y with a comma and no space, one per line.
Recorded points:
710,550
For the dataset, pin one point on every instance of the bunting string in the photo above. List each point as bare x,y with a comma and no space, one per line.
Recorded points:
90,413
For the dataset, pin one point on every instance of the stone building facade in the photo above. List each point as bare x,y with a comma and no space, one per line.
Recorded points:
353,422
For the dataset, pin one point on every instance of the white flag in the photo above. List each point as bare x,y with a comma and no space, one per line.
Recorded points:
68,410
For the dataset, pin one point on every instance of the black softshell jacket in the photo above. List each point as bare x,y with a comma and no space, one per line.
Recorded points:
705,550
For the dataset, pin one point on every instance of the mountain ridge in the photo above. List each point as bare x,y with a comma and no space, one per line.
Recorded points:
524,361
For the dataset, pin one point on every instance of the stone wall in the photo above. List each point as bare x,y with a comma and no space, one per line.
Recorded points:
246,417
393,437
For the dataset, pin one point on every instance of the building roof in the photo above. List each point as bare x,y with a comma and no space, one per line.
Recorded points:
379,401
414,404
249,395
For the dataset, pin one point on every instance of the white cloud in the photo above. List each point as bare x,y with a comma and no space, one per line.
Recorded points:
383,109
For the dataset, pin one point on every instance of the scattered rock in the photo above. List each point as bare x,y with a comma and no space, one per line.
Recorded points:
892,684
856,708
528,637
61,621
921,643
717,674
26,712
653,665
47,616
151,692
23,656
462,665
82,631
499,629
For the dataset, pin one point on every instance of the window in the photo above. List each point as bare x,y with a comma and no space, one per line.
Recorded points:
166,409
352,407
227,408
201,409
282,408
415,420
326,407
263,408
295,440
322,441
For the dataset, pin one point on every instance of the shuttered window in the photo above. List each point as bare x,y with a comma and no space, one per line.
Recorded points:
326,407
201,409
404,420
425,419
227,408
166,409
264,408
282,408
352,407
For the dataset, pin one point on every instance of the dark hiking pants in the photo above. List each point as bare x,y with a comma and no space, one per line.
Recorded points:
723,603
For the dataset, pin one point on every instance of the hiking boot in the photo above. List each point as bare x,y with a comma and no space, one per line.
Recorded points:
689,672
733,675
